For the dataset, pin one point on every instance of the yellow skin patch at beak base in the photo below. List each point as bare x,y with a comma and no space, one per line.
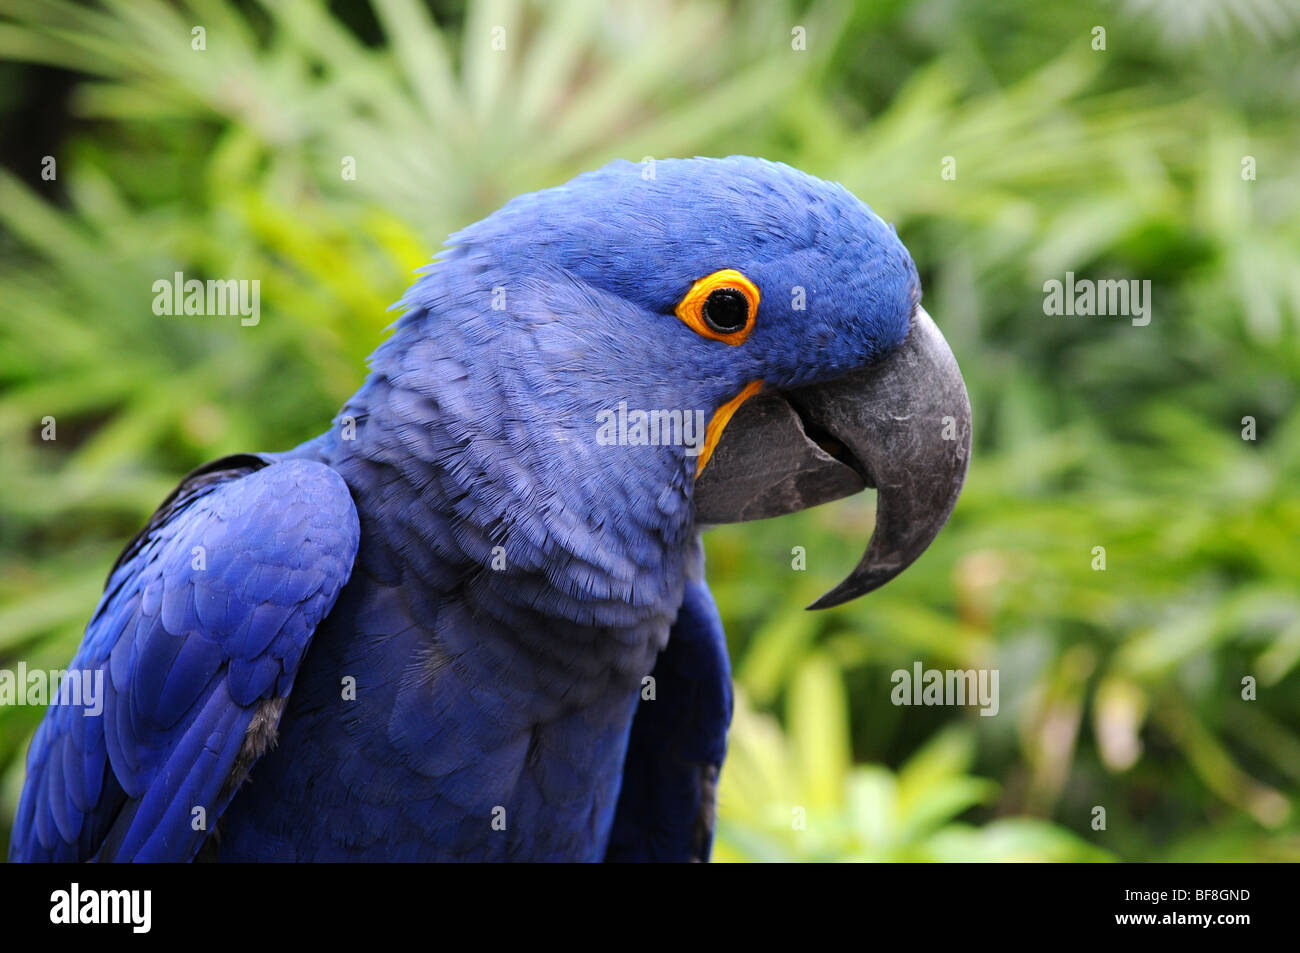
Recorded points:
721,417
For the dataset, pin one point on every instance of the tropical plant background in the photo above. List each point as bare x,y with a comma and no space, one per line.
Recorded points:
1121,689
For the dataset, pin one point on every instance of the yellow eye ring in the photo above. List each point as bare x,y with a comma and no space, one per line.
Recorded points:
712,308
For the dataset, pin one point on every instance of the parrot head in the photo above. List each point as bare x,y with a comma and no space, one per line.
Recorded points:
777,304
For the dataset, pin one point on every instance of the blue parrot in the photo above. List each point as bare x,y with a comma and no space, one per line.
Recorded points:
470,620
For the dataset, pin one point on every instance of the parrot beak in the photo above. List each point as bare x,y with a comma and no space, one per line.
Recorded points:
901,425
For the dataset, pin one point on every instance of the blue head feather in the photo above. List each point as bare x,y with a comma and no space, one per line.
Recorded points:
613,251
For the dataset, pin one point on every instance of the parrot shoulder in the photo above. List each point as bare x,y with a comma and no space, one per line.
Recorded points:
195,643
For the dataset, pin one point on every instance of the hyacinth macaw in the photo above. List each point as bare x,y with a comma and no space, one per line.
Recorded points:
427,633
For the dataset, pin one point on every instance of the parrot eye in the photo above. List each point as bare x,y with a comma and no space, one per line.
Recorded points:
721,306
726,310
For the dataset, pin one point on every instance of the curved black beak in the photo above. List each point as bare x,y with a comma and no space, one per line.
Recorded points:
901,425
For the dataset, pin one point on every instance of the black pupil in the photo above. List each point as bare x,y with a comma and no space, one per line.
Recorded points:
726,310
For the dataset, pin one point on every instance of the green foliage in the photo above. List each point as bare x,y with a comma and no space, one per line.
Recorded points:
796,795
1121,688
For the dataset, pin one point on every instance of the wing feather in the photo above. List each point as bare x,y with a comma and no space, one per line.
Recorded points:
204,620
678,741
